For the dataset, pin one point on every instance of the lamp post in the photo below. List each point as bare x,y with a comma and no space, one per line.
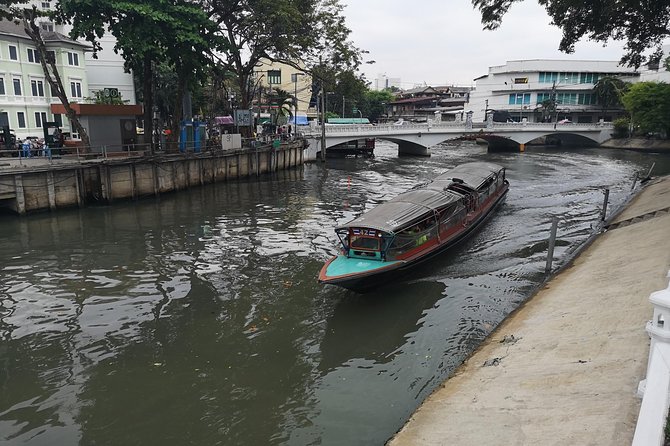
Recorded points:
343,101
294,77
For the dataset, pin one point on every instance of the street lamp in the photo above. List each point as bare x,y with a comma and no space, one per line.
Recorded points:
294,77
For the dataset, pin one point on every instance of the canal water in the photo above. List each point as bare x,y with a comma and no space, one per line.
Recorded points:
196,318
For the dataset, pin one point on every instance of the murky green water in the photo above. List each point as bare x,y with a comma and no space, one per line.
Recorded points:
196,319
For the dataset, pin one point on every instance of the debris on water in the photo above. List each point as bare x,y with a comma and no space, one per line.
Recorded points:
492,362
509,339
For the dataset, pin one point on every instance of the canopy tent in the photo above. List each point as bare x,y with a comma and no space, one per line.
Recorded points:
224,120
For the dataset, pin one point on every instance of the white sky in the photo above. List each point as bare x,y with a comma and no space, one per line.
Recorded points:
441,42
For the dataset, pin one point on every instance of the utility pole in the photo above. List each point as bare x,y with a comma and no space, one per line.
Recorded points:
323,125
343,100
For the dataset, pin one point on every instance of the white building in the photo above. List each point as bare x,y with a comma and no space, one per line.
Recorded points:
25,95
107,71
382,82
520,86
659,73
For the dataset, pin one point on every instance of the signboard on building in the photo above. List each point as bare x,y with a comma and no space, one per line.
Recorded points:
110,92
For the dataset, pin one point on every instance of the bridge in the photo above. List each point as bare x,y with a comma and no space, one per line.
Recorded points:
416,139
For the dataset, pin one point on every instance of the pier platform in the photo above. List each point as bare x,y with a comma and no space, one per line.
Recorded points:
564,368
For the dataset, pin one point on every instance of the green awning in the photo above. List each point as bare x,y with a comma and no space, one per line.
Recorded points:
348,121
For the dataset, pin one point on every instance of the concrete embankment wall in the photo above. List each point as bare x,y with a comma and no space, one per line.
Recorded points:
65,184
642,144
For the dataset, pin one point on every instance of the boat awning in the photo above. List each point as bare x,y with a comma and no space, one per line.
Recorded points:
403,210
224,120
411,206
472,175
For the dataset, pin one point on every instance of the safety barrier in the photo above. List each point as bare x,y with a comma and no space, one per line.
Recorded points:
650,429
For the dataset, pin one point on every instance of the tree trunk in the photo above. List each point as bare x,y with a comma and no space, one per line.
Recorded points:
177,113
53,77
147,85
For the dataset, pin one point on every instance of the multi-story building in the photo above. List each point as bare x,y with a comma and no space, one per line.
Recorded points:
427,103
25,95
520,88
106,70
271,76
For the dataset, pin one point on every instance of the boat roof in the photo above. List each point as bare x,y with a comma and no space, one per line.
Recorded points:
472,175
410,206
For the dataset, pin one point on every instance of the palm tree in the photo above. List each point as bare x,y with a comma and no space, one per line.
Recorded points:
608,91
285,100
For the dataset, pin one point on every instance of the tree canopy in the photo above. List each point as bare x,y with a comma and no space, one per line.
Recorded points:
177,32
649,106
307,34
641,25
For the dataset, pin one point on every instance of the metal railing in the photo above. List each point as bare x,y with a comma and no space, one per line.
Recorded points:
37,155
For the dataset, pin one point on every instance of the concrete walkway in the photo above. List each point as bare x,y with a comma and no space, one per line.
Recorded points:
581,349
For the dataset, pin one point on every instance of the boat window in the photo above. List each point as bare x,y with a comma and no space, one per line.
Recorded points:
365,243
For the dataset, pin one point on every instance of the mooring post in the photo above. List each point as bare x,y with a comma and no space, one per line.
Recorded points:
604,211
552,243
634,181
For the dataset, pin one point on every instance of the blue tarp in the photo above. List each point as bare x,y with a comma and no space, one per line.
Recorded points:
302,120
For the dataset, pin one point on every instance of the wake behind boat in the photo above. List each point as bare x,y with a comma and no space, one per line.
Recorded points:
414,226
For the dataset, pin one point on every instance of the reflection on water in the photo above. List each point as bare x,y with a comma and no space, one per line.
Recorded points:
196,318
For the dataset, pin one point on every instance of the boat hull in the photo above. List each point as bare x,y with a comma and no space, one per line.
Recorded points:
366,281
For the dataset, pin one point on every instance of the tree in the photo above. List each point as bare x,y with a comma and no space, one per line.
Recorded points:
307,34
16,11
51,73
375,103
649,106
642,25
608,91
174,31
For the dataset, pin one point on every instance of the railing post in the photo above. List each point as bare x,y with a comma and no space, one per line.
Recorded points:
552,244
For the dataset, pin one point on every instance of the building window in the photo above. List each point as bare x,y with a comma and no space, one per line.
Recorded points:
37,88
519,99
274,77
21,117
46,5
73,59
40,118
548,77
566,98
58,119
75,89
588,78
541,97
17,87
587,99
46,26
2,86
33,56
13,53
51,56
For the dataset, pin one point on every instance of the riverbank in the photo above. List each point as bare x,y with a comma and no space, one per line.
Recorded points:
640,144
564,367
39,183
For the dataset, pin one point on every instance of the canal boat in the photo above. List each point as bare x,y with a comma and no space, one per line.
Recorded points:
414,226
